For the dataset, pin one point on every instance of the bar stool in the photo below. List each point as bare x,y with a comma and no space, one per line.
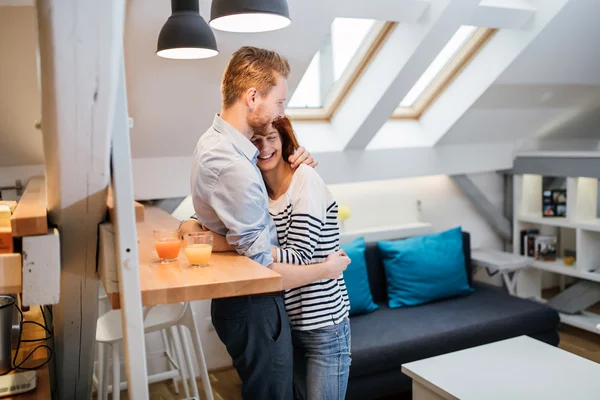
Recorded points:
169,317
101,359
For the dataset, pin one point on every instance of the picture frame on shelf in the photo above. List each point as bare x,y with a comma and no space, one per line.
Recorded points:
554,203
545,247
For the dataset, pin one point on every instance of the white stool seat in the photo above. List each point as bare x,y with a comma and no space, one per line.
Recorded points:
169,318
110,329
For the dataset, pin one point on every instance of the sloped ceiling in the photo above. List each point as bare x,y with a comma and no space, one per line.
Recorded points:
554,83
548,79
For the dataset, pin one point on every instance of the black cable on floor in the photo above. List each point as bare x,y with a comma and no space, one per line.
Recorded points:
20,340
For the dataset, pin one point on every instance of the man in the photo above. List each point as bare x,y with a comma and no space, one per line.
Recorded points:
230,199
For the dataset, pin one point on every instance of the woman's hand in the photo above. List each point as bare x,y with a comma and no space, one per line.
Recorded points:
302,156
336,263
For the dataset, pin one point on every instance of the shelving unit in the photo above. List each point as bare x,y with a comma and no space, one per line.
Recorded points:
579,231
586,320
559,267
35,275
537,220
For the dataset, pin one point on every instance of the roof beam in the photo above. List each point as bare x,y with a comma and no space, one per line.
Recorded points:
472,82
392,73
344,166
501,14
407,11
492,60
369,165
498,222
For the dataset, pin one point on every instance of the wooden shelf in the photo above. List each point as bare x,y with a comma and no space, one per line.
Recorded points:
559,267
227,275
31,216
586,320
589,225
550,221
37,276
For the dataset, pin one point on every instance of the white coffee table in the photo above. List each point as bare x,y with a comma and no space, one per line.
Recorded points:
519,368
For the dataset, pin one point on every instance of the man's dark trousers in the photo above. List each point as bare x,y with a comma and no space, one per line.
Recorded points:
257,333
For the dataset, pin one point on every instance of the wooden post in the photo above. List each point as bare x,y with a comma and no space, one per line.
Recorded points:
81,48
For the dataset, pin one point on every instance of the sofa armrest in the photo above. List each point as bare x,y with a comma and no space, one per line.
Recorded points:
467,253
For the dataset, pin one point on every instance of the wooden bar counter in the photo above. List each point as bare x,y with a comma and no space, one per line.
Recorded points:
227,275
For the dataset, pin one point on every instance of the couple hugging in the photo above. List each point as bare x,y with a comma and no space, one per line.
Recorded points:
257,191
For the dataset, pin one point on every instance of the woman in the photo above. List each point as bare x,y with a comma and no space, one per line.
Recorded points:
305,215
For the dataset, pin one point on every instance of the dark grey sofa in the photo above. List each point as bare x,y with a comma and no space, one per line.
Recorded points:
387,338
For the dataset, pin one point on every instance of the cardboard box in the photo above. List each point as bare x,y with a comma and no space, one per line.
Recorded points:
5,214
10,203
6,241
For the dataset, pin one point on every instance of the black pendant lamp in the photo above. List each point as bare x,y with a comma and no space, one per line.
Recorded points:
249,15
186,35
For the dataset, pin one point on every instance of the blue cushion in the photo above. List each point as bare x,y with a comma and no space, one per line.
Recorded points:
425,268
357,281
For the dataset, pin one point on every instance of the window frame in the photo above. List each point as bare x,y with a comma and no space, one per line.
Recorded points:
355,69
446,76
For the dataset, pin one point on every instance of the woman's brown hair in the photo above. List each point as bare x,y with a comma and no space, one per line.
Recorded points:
289,142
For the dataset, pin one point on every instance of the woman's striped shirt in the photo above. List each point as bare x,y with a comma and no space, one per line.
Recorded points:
307,230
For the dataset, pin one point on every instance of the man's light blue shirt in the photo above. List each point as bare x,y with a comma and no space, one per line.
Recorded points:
228,192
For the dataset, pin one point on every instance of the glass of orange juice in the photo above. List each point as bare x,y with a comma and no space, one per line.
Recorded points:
198,247
167,243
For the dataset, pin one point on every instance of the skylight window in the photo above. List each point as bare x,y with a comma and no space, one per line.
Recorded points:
457,52
336,66
458,40
308,92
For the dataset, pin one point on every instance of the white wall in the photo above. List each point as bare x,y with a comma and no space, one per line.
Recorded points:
382,203
393,202
20,101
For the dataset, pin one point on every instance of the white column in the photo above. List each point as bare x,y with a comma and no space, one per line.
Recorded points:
127,251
